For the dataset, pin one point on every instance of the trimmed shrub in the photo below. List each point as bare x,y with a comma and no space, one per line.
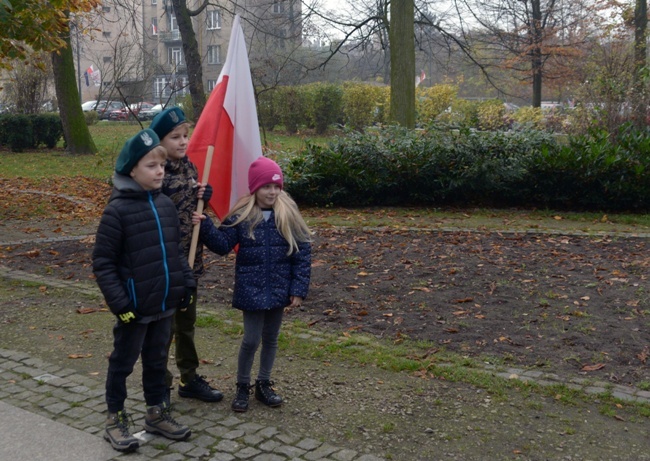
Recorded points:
361,104
531,117
91,117
395,166
267,109
433,101
47,129
491,115
291,108
323,105
20,131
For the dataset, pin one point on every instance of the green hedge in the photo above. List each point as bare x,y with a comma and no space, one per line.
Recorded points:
20,132
395,166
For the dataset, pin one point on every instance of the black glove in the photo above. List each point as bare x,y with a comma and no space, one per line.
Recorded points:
188,299
207,193
128,315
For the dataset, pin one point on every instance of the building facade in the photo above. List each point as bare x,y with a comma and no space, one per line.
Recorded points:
133,50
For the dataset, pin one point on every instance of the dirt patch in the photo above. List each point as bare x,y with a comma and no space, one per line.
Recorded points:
576,306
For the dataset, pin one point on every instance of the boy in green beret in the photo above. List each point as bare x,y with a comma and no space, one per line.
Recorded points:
182,186
144,276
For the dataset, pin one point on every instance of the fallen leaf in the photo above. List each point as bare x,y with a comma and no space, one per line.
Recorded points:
79,356
464,300
595,367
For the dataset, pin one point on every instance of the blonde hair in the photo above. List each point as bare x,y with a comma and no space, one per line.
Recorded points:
288,219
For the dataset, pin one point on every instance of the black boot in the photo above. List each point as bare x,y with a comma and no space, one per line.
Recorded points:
240,403
264,393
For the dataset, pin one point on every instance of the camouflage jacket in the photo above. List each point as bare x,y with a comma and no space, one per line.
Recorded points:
180,184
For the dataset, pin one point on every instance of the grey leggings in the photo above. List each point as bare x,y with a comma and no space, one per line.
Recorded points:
259,326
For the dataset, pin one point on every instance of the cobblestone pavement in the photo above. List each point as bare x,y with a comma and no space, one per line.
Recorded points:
63,395
76,402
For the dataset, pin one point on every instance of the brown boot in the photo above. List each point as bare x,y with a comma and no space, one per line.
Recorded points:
160,421
117,432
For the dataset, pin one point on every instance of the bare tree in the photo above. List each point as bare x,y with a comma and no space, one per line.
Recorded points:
526,36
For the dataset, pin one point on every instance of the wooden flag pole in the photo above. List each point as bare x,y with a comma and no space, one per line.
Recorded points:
199,207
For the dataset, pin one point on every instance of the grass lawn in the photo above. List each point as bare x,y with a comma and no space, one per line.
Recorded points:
109,138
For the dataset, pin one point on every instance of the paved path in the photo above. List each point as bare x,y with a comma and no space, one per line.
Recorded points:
55,414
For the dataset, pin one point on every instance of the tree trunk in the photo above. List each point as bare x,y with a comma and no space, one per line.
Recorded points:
640,60
536,52
192,56
402,63
75,131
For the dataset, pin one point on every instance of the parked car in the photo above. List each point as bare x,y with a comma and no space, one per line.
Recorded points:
150,113
104,108
129,113
90,105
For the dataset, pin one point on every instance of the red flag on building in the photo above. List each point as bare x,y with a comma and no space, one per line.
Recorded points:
229,123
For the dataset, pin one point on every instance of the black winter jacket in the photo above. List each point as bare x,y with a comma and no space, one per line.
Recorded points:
137,256
265,277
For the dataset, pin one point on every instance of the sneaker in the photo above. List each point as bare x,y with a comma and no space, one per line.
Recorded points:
199,388
240,402
160,421
264,393
117,432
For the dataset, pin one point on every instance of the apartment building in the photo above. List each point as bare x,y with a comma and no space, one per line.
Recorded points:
133,48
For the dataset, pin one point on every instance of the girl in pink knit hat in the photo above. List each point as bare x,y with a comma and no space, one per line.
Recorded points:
272,271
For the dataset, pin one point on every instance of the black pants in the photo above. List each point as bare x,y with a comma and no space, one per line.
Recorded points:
129,342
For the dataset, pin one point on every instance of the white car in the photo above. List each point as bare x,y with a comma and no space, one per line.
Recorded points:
151,113
89,105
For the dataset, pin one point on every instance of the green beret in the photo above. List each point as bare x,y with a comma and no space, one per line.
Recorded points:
167,120
134,149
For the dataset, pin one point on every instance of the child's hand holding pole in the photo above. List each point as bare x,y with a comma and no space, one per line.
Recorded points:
199,208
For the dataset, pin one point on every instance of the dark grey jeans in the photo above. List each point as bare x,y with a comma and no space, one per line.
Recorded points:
259,326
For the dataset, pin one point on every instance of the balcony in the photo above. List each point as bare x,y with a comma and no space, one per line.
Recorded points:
170,36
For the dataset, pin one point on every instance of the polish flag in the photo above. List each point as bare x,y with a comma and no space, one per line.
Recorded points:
420,78
229,123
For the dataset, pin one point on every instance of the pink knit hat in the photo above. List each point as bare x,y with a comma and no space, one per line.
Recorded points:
264,171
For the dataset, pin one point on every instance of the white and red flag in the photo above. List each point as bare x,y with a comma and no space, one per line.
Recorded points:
229,123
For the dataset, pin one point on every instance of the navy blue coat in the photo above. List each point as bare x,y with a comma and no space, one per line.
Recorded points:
138,258
265,277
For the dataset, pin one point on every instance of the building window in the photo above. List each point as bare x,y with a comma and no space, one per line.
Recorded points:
214,54
107,84
278,6
154,2
213,19
211,84
108,59
159,87
173,25
154,26
175,56
106,34
106,9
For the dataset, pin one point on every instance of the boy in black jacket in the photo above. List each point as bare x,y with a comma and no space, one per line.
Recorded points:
144,277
